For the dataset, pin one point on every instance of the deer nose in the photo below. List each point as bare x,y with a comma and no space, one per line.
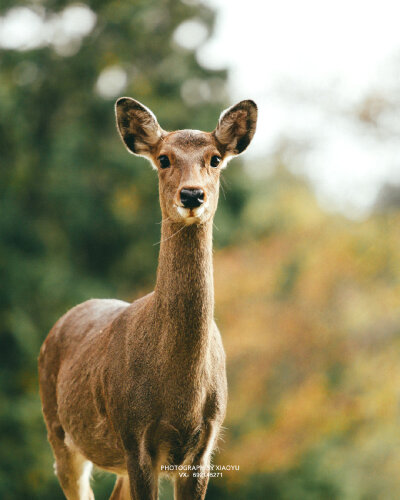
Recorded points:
192,198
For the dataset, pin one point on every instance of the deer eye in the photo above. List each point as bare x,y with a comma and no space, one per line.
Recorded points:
164,161
215,161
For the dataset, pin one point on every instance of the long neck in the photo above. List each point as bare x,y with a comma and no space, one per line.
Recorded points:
184,292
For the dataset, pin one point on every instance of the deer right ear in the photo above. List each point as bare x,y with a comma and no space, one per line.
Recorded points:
138,127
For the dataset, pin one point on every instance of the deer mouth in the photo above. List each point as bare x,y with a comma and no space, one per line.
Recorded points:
191,215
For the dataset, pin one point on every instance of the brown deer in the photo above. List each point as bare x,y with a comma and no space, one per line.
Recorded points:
135,387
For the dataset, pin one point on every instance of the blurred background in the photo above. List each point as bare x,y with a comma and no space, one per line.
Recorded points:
307,260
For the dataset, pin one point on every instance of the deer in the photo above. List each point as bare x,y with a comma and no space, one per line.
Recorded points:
140,388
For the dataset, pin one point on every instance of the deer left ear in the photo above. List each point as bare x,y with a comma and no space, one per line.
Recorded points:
236,127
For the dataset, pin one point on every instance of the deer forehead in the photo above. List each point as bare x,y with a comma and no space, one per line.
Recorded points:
188,144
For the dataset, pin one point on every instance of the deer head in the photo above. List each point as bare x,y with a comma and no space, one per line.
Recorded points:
189,162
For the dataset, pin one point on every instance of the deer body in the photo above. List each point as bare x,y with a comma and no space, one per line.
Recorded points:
133,387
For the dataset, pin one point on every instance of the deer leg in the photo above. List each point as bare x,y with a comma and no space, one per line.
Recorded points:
142,478
121,489
194,486
73,471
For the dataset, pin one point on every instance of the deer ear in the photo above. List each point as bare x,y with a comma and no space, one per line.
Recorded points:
137,125
236,127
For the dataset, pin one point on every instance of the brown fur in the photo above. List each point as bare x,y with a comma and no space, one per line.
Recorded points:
131,387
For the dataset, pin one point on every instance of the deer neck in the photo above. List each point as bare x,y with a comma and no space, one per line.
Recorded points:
184,292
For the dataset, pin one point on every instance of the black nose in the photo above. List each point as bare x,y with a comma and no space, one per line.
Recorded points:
192,198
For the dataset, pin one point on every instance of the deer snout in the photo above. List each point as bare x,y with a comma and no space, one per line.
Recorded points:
192,198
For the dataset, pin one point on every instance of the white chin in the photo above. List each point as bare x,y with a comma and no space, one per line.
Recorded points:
191,215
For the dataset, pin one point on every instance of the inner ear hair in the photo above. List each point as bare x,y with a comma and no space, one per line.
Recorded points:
236,127
138,126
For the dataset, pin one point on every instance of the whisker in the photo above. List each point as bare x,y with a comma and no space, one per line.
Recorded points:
161,221
224,181
169,237
223,191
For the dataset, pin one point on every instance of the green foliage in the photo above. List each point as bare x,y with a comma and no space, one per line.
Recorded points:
304,482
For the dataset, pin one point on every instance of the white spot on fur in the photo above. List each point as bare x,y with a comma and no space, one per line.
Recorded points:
205,459
191,215
226,160
84,481
68,441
